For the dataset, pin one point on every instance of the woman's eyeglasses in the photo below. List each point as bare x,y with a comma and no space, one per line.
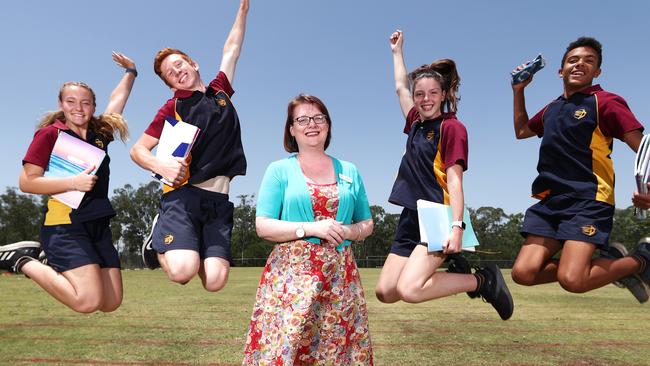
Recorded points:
318,119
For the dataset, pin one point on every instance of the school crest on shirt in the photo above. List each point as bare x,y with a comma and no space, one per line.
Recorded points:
99,143
580,114
430,135
221,102
169,238
589,230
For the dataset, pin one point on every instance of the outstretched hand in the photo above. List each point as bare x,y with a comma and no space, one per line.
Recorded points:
524,83
123,61
396,40
244,5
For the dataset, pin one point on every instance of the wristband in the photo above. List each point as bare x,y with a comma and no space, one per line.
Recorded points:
460,224
132,71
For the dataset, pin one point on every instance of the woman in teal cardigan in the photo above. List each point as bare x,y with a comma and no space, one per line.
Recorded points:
310,306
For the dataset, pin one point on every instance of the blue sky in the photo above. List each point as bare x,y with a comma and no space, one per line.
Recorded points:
338,51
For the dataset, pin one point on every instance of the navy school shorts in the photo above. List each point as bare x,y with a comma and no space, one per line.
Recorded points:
407,235
567,218
74,245
195,219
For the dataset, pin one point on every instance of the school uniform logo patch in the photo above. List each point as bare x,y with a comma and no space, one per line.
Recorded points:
169,238
430,135
580,113
221,102
99,143
589,230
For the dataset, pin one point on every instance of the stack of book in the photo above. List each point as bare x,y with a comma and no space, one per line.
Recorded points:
435,226
176,141
642,171
71,156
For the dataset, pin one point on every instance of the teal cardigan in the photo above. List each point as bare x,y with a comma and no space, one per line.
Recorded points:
284,194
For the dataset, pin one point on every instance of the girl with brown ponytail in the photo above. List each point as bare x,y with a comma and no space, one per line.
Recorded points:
432,169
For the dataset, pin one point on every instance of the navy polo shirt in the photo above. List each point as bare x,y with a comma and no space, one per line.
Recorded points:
577,141
218,150
95,203
432,147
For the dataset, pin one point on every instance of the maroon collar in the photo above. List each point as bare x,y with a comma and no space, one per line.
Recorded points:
591,89
183,93
60,125
186,93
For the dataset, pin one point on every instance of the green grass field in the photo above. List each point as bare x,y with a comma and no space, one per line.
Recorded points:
161,323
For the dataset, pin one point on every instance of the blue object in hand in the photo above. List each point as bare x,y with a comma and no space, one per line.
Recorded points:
532,67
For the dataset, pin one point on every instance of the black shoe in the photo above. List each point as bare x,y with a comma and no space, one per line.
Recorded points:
495,291
633,283
149,254
643,251
11,255
456,263
42,257
20,262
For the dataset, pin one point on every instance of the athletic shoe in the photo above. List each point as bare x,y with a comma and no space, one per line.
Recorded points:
634,283
495,291
42,257
11,255
20,262
149,254
456,263
643,251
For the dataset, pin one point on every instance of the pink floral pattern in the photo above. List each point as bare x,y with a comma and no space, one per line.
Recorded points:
310,308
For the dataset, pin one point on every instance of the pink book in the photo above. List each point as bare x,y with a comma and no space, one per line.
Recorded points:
71,156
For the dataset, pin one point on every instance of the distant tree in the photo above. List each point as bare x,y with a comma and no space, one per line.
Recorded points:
378,244
245,242
628,229
21,216
497,232
135,210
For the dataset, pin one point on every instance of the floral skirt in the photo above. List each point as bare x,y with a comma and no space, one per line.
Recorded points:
309,309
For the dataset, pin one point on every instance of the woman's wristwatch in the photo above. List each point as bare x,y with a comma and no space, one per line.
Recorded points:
300,231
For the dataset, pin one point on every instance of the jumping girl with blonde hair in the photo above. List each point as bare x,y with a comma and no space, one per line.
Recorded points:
83,267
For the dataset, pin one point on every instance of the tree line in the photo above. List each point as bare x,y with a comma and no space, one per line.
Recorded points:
21,216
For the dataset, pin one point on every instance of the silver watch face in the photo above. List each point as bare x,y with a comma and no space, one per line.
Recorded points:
300,232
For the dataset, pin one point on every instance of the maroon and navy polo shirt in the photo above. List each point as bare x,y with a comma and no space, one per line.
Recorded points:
432,147
95,203
218,149
577,140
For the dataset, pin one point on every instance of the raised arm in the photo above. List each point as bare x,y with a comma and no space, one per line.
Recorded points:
520,115
233,45
400,73
121,93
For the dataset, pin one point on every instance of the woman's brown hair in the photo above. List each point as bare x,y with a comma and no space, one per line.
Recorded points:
290,144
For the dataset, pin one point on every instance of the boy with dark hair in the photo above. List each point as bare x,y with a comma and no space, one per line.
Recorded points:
192,233
576,182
